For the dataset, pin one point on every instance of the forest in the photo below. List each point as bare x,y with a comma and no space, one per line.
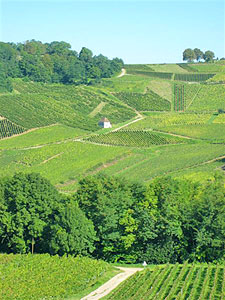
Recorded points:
165,221
53,62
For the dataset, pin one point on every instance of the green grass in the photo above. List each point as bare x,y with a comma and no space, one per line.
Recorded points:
161,87
42,276
41,136
210,98
169,68
136,138
158,120
207,67
210,132
149,101
173,282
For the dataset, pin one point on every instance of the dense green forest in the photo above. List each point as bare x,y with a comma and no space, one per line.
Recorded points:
165,221
53,62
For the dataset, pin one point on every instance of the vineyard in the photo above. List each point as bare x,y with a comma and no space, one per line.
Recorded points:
136,138
174,282
8,129
210,98
149,101
42,276
37,105
212,132
179,99
196,77
159,120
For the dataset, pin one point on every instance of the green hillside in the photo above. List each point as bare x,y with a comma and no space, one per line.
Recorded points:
174,282
35,105
62,118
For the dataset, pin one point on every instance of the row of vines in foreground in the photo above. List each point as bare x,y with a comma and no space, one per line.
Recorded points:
8,129
41,276
136,138
193,282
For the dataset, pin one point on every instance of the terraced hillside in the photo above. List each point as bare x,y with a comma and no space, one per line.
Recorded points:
174,282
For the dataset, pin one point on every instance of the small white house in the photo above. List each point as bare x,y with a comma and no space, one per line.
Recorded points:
104,123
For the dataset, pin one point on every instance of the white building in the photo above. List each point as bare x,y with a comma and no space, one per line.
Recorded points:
104,123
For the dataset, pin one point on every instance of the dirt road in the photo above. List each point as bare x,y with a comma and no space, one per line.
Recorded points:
122,73
111,284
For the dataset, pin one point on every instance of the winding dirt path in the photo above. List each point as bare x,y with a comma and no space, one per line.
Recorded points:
110,285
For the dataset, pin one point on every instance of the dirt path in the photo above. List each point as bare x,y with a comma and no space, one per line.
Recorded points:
110,285
136,120
122,73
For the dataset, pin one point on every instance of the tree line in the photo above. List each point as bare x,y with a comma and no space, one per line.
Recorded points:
196,54
166,220
53,62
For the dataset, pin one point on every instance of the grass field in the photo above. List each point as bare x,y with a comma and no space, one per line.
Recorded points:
174,282
41,276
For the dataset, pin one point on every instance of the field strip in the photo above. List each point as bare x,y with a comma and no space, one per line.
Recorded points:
193,98
188,167
122,73
110,285
174,134
97,109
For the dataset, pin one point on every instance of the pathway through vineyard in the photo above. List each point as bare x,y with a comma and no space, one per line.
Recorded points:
110,285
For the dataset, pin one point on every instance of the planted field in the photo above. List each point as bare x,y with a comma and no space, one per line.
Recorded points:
159,120
169,68
136,138
145,102
220,118
210,98
174,282
42,276
195,77
210,132
207,68
39,105
161,87
41,136
179,99
8,129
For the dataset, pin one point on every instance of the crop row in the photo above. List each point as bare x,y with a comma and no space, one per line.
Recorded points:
174,282
149,101
136,138
196,77
7,128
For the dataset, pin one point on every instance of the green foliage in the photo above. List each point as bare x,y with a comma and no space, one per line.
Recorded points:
42,276
148,101
173,282
189,55
54,62
34,217
136,138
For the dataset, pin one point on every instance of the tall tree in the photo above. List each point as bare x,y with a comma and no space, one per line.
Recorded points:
189,55
208,56
198,54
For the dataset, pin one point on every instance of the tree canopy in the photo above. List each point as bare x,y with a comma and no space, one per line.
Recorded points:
190,55
53,62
